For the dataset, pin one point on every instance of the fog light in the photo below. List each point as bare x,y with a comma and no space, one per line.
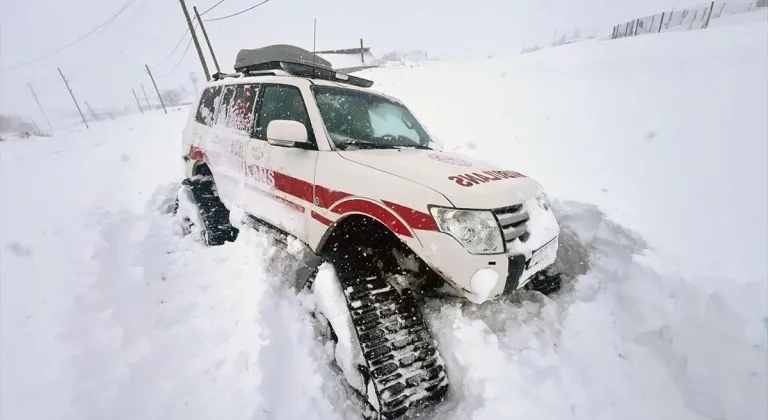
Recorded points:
483,282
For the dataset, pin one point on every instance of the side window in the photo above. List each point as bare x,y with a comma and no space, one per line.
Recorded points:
281,103
240,111
207,109
222,106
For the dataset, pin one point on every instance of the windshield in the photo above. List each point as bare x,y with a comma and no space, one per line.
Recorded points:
364,120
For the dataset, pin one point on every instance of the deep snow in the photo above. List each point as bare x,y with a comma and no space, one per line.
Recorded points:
106,312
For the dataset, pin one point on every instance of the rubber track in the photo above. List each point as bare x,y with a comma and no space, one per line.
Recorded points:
215,216
403,361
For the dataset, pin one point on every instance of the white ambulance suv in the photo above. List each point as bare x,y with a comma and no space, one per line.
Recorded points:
319,156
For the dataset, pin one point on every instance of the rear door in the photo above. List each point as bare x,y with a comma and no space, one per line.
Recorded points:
231,141
292,169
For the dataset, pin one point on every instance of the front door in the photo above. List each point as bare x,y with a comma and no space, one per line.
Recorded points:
291,169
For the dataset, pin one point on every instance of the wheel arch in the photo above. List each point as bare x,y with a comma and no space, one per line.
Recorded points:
199,167
355,228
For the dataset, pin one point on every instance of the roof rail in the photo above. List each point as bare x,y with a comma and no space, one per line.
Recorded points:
303,70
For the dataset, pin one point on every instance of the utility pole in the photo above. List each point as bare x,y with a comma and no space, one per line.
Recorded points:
34,95
156,89
93,114
671,15
709,16
194,38
362,57
73,98
145,97
137,101
208,41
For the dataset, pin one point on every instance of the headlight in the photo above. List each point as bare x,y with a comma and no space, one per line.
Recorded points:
476,230
543,201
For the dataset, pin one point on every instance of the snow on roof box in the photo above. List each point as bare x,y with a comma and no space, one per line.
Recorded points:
282,53
294,61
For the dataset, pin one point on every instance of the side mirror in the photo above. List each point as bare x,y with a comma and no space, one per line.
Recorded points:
286,133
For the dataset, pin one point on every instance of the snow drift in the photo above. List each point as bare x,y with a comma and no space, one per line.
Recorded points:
653,147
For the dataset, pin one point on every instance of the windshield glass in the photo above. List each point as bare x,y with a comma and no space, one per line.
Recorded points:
364,120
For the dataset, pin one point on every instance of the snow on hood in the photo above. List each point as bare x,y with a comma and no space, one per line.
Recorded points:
464,181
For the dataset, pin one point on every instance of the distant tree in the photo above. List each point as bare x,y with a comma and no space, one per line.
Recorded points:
392,56
15,125
172,97
193,78
412,55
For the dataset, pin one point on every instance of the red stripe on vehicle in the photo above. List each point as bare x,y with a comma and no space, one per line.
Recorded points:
195,153
376,211
293,186
327,197
299,208
319,217
413,218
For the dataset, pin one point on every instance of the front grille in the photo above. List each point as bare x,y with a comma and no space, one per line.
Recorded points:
513,220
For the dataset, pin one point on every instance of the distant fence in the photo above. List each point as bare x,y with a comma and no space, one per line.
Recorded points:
694,18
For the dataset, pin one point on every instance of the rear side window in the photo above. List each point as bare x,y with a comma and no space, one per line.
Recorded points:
240,108
229,106
206,110
281,103
221,106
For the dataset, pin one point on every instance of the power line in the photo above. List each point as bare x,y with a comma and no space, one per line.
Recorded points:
91,32
183,36
180,60
238,13
212,7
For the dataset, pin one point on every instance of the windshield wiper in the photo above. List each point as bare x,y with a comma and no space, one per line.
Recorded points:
411,146
359,143
362,144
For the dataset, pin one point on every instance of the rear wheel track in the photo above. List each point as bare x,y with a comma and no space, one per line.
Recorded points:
216,230
403,362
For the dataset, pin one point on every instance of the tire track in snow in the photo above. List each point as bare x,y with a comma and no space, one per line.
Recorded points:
627,339
167,328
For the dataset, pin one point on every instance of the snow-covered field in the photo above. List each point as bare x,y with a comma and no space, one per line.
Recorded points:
655,148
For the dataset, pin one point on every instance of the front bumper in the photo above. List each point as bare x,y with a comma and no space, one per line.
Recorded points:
512,269
520,270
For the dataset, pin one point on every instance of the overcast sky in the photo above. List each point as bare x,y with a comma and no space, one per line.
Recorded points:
103,68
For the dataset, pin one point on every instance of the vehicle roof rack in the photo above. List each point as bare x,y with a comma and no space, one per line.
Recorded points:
294,61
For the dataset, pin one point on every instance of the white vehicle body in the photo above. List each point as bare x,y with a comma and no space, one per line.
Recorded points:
309,191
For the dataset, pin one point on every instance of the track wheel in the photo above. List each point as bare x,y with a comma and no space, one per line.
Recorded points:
202,214
384,346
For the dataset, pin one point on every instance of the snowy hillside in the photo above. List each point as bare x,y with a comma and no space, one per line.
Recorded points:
655,149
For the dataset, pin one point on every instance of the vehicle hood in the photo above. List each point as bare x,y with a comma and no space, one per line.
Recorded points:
464,181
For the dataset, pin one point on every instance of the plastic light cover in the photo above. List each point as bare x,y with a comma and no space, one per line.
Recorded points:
543,200
476,230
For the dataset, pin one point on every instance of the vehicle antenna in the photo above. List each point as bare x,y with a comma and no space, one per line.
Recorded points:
314,47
